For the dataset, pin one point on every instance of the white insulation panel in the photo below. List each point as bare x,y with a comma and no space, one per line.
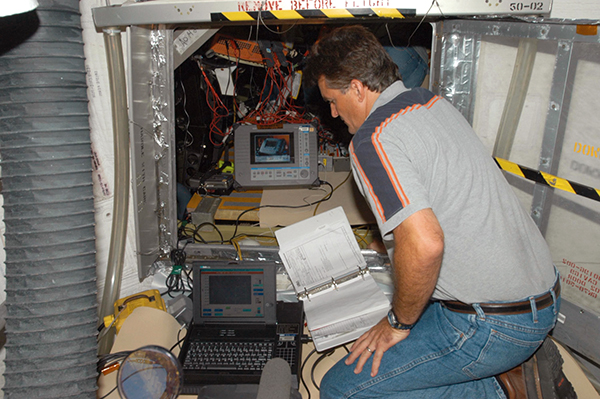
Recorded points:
573,225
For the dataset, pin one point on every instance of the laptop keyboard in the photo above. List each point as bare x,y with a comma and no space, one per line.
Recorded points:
228,355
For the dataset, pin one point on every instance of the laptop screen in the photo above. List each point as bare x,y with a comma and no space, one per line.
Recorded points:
240,292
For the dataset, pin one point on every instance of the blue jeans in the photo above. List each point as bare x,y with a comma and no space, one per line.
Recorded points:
447,355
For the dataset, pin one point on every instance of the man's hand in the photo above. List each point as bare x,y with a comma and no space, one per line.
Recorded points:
374,342
418,251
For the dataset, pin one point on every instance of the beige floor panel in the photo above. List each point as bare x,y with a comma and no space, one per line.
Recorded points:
315,365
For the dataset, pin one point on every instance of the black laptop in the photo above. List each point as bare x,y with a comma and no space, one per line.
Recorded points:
234,331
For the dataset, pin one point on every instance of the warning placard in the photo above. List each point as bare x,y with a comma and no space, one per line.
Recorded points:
581,279
274,5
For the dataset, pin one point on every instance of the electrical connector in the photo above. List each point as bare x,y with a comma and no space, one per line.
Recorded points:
109,368
325,163
305,339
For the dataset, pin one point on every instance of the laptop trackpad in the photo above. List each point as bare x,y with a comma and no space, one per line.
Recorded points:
230,391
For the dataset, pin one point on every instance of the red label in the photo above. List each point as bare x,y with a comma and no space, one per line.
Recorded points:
582,279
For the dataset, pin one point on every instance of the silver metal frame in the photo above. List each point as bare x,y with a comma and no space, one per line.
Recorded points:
152,113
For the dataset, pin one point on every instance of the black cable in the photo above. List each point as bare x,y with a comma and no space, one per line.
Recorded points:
306,339
190,280
181,232
179,340
108,394
178,256
106,360
197,234
174,282
316,363
111,358
237,221
302,371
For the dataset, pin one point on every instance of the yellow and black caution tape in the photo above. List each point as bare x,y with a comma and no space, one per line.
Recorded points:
237,16
548,179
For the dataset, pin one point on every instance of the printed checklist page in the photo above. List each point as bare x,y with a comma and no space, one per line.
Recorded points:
318,249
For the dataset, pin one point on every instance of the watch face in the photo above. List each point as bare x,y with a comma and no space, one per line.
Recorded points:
396,324
392,319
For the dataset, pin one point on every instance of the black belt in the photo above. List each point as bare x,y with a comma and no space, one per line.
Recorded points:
509,308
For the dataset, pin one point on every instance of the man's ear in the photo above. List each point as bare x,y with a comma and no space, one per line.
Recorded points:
358,88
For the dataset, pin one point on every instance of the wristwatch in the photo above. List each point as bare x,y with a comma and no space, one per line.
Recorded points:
396,324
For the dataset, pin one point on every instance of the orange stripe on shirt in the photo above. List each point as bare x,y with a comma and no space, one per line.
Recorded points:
366,181
383,156
391,118
387,165
433,100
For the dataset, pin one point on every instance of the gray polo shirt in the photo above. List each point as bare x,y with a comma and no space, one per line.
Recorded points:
416,151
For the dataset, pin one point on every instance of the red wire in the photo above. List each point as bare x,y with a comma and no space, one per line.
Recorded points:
219,111
268,112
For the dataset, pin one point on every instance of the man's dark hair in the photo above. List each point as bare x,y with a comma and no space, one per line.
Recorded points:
350,52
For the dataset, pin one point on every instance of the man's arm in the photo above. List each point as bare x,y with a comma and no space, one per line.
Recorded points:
418,251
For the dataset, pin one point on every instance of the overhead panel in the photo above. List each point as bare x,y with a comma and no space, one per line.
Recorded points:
194,11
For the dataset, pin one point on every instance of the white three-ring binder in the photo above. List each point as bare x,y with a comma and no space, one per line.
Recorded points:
329,273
